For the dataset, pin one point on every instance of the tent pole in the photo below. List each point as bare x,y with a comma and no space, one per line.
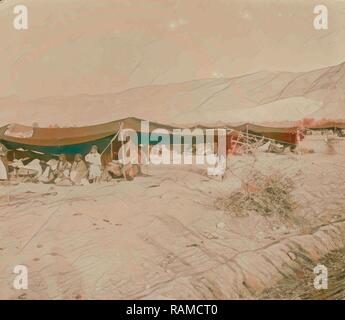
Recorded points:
111,151
123,153
247,135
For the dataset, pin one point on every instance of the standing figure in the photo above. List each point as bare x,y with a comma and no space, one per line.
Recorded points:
220,167
3,163
94,161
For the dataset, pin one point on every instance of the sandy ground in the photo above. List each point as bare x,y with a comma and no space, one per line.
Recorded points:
159,236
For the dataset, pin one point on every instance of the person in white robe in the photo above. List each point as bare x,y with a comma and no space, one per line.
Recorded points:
3,163
3,170
219,169
48,174
34,168
94,161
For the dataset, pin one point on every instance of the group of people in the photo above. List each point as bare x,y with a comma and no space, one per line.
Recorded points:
81,171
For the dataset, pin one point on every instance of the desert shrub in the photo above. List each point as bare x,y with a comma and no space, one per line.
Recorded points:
266,195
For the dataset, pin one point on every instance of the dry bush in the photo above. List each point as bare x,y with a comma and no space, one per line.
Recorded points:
266,195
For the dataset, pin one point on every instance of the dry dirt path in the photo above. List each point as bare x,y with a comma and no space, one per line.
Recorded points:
161,236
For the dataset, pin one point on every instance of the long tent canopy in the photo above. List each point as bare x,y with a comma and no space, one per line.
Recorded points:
72,140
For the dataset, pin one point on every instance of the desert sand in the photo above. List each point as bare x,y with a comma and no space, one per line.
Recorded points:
164,235
161,235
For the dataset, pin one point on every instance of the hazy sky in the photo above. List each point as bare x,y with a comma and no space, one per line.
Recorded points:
91,47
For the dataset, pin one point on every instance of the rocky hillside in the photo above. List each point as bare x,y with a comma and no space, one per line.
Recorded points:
258,97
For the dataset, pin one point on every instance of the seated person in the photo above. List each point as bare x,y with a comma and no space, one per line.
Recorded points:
29,171
116,169
79,171
128,168
48,173
62,170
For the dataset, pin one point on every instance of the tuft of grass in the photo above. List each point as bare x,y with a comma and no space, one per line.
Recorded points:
266,195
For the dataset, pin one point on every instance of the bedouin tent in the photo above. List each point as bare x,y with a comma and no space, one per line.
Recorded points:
70,141
50,142
287,135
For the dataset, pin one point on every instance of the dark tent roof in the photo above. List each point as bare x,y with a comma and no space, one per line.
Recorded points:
79,139
68,136
327,125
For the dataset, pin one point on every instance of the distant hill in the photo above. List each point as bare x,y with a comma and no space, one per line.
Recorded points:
258,97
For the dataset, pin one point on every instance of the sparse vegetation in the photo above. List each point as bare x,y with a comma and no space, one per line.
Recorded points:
266,195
